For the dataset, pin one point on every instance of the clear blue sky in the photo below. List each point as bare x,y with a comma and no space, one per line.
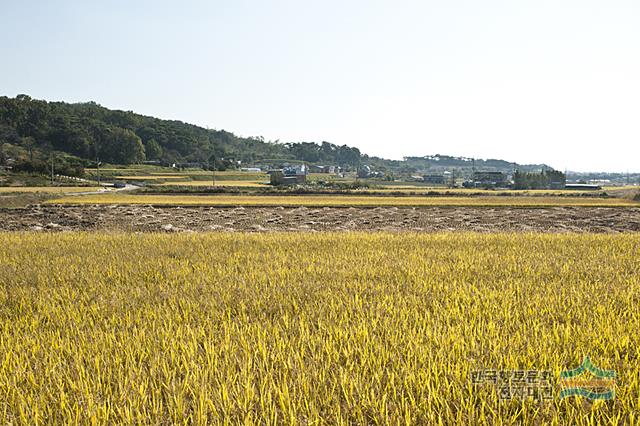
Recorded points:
528,81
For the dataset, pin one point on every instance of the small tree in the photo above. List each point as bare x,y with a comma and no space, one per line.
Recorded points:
123,147
153,150
29,143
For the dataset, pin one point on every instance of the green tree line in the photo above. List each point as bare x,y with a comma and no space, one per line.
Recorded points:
542,180
91,132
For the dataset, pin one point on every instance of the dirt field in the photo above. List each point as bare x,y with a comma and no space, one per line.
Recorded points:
258,219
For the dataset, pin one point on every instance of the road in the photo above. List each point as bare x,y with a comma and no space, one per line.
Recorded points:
105,188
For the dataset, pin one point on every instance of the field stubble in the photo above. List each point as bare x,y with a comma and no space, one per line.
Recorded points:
143,218
342,200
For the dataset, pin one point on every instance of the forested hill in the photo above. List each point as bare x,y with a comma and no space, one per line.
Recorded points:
30,129
90,131
445,162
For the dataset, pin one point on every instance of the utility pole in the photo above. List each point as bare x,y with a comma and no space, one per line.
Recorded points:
206,166
98,169
52,171
214,170
97,152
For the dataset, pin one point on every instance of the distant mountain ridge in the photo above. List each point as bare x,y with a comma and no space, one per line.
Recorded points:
445,162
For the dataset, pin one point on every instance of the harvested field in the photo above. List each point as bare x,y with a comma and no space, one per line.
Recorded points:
141,218
339,200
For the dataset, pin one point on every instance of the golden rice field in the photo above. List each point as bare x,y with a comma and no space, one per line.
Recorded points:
123,169
196,176
220,173
46,189
342,200
151,177
468,191
208,183
328,328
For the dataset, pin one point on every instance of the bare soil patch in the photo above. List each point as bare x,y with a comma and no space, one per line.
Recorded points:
141,218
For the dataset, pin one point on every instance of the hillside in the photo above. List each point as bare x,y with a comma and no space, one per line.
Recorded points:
89,131
80,133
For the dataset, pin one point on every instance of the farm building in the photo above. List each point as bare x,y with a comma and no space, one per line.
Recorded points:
289,175
583,186
488,179
436,179
324,169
